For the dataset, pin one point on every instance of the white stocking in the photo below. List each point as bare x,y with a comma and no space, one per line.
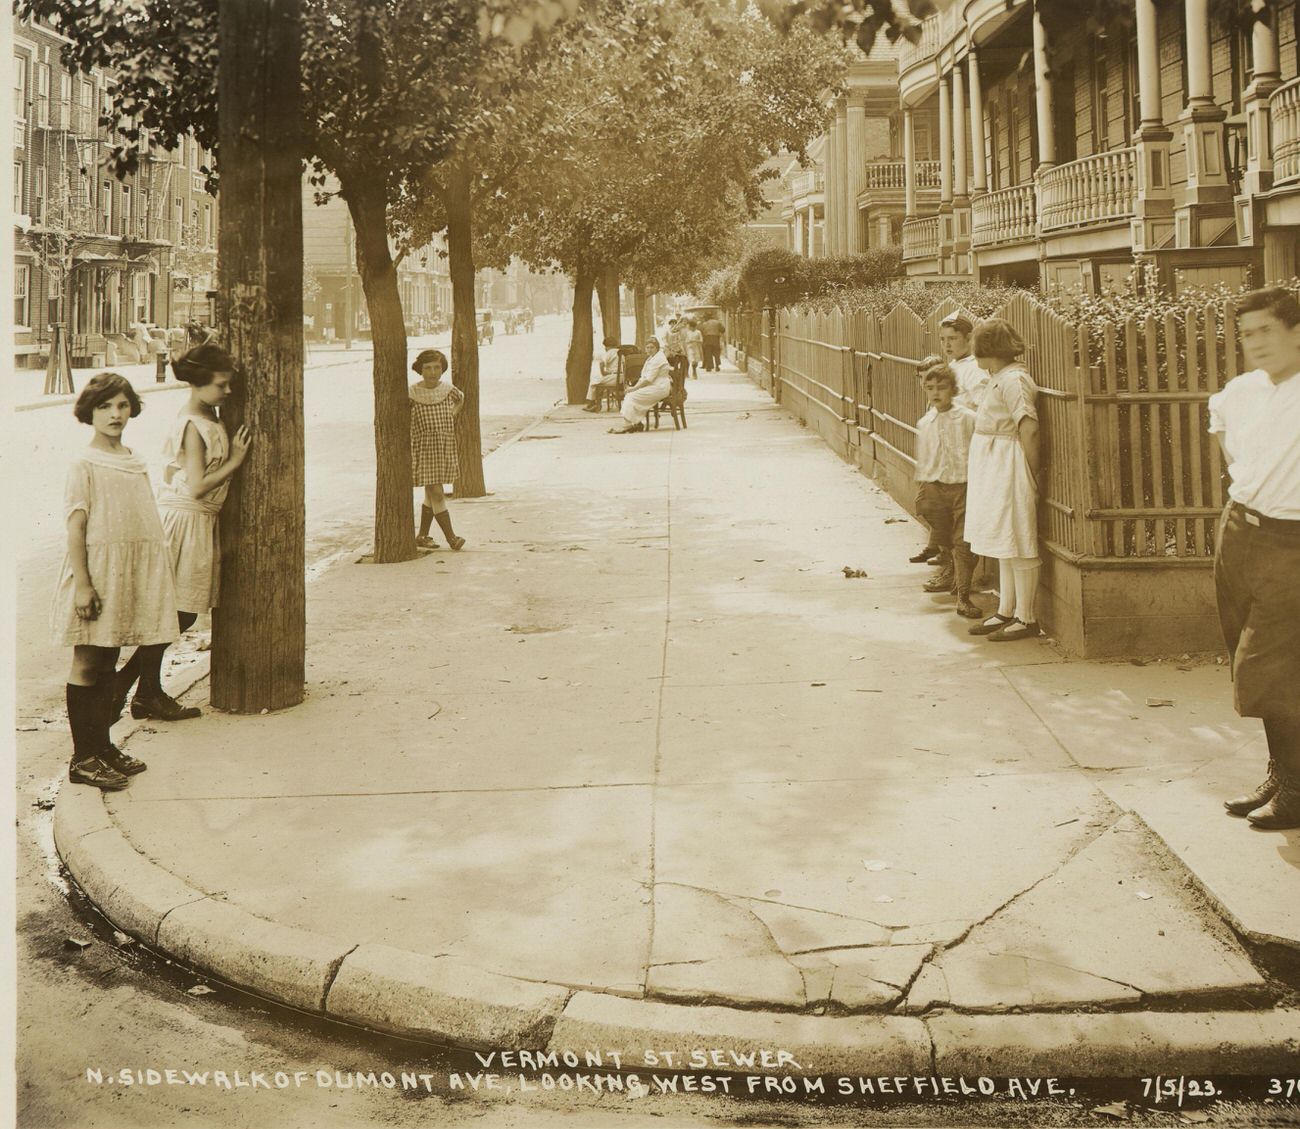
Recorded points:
1006,588
1026,570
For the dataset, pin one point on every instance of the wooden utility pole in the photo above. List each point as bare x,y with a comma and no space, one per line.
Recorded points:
259,630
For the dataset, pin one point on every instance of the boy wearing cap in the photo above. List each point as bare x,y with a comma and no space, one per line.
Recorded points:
954,338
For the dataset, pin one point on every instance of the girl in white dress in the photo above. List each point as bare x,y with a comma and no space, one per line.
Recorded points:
201,459
115,584
1002,481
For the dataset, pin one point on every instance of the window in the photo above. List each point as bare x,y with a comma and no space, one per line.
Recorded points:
20,184
106,207
22,295
207,225
1100,97
140,296
42,105
124,217
65,87
20,86
994,141
38,196
178,220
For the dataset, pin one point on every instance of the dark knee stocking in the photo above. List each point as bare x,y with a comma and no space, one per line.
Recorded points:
444,523
151,658
426,520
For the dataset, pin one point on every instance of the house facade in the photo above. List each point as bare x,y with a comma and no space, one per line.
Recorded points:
93,253
1017,145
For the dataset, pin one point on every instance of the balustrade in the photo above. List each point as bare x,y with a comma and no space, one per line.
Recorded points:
1006,216
921,239
1093,190
1284,114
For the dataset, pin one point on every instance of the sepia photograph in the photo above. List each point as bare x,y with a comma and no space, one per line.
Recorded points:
627,563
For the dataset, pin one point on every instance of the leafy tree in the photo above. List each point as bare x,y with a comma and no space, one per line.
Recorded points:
389,87
637,167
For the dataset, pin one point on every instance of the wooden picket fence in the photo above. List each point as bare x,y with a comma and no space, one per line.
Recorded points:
1129,470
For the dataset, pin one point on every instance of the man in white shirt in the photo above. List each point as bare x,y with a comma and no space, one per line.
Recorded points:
954,339
1256,419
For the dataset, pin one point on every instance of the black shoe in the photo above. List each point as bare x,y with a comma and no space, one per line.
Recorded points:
944,582
162,707
995,622
97,774
121,762
592,406
1244,805
457,543
925,556
1282,812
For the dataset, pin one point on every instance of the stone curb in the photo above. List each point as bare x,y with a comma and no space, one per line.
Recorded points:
448,1001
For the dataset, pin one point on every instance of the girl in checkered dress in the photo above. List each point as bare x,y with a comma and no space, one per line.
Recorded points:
434,405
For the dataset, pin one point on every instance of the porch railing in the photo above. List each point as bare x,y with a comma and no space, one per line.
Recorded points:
1092,190
1006,216
892,175
921,239
1284,112
806,182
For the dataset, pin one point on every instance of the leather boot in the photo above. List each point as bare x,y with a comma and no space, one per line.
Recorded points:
946,577
1259,796
89,733
1283,810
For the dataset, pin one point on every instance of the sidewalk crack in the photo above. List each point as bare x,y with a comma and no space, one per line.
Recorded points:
331,974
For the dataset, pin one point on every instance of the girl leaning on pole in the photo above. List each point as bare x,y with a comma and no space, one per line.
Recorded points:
115,584
201,459
1002,481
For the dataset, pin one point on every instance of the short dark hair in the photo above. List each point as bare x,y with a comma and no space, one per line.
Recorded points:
997,337
202,363
101,388
427,355
927,362
960,322
942,371
611,342
1275,300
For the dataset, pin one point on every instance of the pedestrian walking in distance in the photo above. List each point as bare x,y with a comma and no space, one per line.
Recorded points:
712,332
434,406
115,584
201,458
693,340
1002,481
1256,419
943,438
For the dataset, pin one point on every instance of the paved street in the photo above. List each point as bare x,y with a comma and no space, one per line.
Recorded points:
643,741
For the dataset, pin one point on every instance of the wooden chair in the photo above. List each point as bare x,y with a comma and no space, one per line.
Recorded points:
675,402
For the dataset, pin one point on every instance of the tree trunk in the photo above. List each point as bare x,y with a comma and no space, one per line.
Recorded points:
611,312
259,629
577,365
645,322
394,500
464,327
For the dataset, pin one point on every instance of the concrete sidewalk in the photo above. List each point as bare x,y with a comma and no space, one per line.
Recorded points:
640,766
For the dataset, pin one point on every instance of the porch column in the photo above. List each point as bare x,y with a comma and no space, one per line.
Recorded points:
846,205
1267,78
1043,94
961,185
979,172
947,227
797,232
909,166
945,141
1155,201
857,171
831,178
1207,206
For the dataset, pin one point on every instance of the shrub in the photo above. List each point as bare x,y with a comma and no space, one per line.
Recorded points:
722,288
980,300
775,277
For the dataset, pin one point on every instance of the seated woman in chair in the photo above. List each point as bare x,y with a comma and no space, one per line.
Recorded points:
653,387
